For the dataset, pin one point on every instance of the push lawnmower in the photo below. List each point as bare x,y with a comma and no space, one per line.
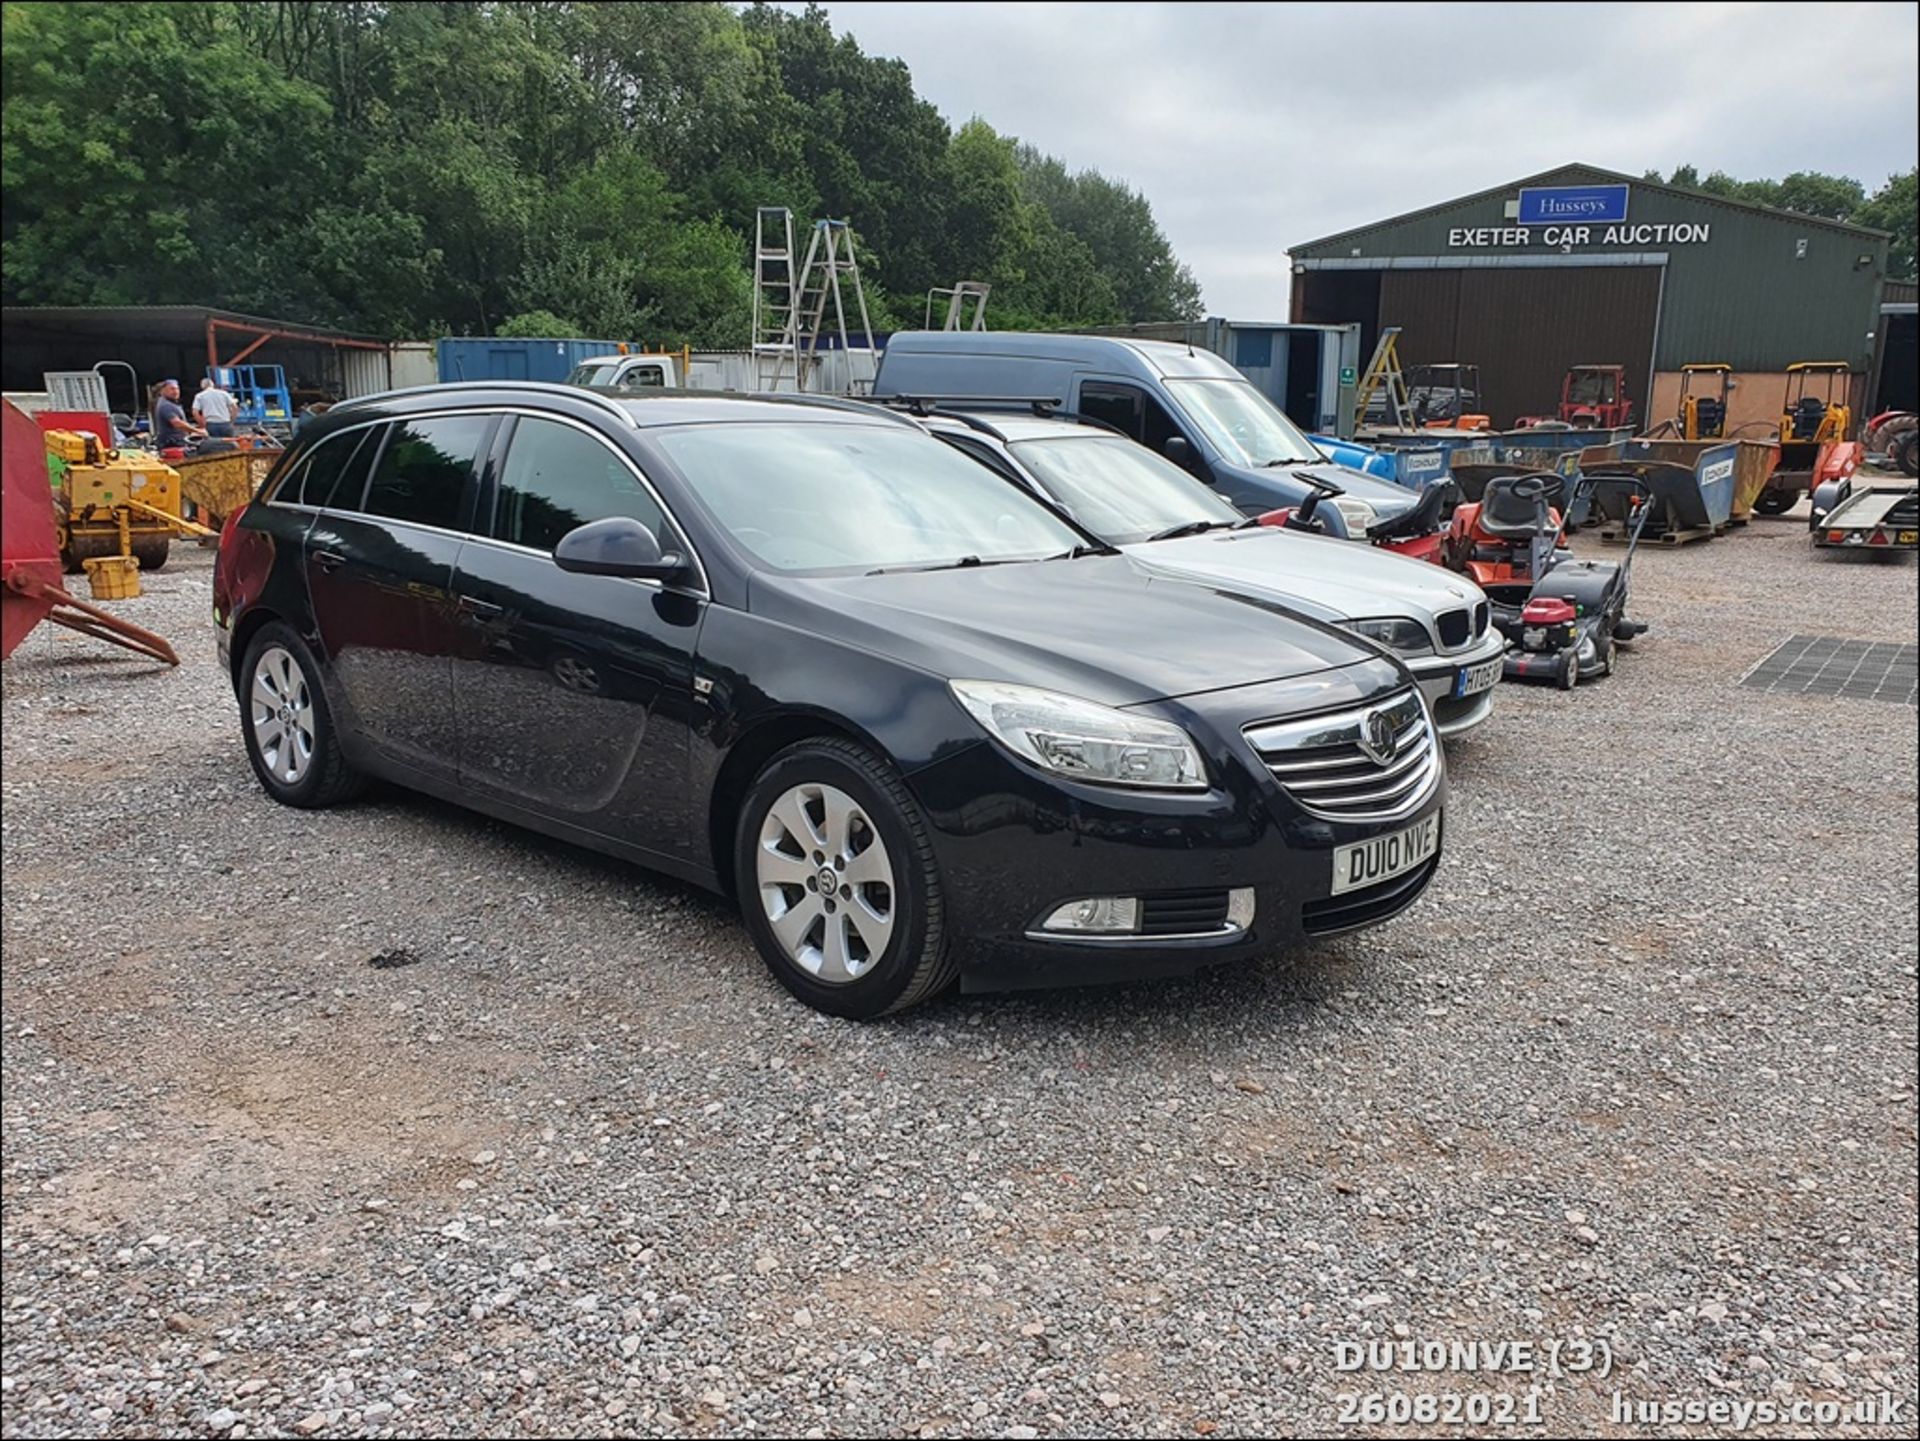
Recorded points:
1574,612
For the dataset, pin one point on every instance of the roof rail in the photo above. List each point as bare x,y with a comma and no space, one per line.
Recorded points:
1042,410
539,387
870,408
1041,405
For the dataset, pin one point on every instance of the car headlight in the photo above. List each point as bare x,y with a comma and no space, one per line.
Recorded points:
1358,515
1408,637
1082,740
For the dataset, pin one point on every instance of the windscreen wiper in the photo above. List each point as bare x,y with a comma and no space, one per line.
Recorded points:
1080,551
1188,527
1294,460
966,562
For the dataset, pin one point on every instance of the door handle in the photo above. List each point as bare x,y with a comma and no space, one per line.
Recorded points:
479,609
329,559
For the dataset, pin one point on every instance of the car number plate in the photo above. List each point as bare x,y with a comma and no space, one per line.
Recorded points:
1367,863
1472,679
1910,537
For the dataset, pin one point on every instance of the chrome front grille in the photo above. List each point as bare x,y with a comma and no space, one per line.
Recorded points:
1371,763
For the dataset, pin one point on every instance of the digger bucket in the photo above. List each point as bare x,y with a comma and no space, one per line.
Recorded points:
30,553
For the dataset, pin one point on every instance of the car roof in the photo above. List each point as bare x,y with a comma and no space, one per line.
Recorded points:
651,410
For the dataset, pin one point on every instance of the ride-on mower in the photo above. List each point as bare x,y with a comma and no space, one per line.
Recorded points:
1562,617
1417,534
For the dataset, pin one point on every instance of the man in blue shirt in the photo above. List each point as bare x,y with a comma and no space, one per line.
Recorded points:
170,424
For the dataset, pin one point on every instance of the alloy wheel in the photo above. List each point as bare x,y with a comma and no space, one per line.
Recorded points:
826,883
281,708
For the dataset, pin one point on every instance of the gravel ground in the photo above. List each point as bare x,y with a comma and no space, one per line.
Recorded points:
394,1120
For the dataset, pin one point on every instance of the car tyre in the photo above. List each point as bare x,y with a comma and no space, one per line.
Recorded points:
290,735
1776,502
873,939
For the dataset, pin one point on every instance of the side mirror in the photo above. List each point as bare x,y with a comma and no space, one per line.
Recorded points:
1176,449
616,546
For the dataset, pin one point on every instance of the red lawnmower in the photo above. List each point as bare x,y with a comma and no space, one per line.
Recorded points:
1562,617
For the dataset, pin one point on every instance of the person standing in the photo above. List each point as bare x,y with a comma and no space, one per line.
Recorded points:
215,408
170,424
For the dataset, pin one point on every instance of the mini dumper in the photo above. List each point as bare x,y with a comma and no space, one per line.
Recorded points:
1575,612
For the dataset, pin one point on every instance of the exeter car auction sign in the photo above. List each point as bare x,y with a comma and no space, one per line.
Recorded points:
1559,217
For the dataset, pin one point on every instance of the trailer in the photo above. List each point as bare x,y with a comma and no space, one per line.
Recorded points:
1871,517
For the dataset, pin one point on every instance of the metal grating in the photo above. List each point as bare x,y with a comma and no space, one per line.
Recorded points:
1825,665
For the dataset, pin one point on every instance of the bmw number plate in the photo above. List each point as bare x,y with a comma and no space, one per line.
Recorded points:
1367,863
1472,679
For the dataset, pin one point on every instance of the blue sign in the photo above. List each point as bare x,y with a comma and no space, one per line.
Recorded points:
1572,204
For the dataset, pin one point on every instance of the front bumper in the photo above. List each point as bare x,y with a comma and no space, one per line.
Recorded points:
1014,843
1437,676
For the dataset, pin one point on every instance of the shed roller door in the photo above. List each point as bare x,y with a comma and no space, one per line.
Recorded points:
1525,327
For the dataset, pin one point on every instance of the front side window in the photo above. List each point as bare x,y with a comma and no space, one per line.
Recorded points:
424,470
841,497
558,477
1242,423
1120,491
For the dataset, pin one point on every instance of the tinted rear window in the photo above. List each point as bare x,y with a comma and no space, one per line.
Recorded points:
423,472
319,472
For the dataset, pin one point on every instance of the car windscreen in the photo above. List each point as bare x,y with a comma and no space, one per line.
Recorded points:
590,374
826,498
1120,491
1246,427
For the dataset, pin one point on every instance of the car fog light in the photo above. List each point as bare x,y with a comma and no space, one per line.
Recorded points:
1240,907
1108,915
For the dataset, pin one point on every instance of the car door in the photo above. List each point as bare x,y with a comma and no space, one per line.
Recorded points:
379,564
1134,412
574,693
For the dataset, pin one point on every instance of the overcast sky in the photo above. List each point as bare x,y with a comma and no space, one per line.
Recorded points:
1253,127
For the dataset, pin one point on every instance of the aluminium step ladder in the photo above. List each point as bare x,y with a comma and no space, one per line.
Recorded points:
793,311
1384,372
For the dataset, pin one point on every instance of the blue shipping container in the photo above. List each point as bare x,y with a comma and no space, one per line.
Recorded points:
500,358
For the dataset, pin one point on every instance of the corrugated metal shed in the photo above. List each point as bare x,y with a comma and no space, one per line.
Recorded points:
1759,289
180,341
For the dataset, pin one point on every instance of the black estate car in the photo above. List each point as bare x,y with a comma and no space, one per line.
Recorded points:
799,651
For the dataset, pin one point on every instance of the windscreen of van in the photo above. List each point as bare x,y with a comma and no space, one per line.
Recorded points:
1243,425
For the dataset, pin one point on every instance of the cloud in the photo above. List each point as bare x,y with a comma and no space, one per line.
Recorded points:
1252,127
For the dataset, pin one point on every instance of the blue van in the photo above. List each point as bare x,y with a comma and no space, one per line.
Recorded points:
1188,404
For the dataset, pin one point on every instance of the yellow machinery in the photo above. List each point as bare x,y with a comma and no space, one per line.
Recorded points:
109,502
1817,419
1703,414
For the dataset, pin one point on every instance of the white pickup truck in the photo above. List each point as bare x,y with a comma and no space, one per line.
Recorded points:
630,372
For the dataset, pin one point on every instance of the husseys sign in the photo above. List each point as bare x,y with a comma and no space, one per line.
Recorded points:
1559,216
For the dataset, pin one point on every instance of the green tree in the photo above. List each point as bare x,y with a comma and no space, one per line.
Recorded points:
423,168
538,325
1117,225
